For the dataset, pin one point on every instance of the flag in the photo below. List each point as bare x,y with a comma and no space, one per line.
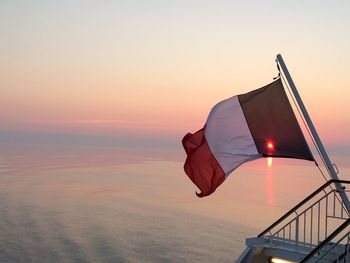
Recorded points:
243,128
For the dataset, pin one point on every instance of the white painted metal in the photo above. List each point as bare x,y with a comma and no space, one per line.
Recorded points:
296,237
304,229
313,131
245,253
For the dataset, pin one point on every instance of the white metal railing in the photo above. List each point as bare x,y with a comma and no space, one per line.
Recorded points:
319,226
311,221
310,226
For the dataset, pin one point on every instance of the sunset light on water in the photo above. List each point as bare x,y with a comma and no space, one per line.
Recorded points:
269,162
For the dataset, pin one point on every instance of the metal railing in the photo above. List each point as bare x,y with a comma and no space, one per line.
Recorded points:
332,249
310,222
312,225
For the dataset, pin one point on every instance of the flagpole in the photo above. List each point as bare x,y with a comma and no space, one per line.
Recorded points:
314,133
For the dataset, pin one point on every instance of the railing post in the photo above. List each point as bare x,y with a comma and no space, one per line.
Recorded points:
297,231
326,219
347,247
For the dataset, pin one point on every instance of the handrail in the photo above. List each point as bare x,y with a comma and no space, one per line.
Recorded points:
340,256
334,245
326,241
291,211
303,213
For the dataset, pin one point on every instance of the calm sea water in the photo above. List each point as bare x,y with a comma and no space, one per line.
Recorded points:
95,204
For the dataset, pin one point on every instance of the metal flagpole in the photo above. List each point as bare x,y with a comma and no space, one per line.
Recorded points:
313,131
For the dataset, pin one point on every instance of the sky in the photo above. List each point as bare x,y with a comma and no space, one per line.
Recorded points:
150,71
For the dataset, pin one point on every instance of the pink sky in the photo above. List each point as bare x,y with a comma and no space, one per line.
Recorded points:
157,69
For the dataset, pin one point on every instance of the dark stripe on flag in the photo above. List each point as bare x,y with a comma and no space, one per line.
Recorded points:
272,122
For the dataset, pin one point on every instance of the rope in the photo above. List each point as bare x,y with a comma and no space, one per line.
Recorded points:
310,135
307,128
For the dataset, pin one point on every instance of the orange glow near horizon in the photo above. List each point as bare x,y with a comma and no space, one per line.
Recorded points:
128,71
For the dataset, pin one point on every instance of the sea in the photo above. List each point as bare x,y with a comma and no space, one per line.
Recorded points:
81,203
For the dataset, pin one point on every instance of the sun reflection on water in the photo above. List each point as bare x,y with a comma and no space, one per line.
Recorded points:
269,162
270,196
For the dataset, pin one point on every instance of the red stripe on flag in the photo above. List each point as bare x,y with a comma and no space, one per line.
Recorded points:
201,166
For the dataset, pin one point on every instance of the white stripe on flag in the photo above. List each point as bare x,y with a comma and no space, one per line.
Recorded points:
228,135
